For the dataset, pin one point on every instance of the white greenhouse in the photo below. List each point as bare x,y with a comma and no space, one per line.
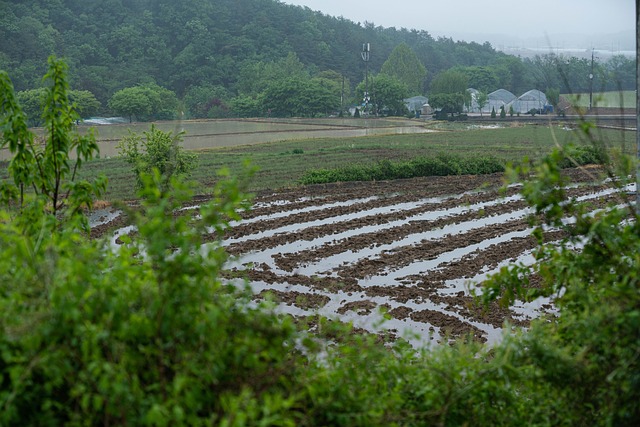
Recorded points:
531,100
497,99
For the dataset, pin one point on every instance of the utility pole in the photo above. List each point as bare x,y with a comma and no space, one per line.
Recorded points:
342,98
591,83
366,55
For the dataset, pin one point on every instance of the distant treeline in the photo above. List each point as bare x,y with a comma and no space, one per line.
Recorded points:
212,48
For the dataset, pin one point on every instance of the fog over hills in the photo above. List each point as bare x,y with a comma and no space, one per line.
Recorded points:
605,45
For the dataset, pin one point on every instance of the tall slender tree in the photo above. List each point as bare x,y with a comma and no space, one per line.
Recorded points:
46,167
404,65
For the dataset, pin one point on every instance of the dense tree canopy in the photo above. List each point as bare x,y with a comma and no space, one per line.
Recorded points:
148,102
206,101
387,94
130,102
404,65
482,78
449,92
112,45
240,45
301,97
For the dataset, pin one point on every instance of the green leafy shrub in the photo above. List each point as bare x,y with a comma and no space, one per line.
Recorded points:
157,150
43,172
441,165
589,355
115,338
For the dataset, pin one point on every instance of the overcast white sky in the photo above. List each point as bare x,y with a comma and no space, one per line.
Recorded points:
522,18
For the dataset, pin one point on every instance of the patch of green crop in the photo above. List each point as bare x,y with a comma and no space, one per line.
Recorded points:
285,163
624,99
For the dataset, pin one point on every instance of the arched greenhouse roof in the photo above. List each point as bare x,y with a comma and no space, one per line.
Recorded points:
501,95
533,99
533,95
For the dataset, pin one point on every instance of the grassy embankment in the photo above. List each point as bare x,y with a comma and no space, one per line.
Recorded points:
283,164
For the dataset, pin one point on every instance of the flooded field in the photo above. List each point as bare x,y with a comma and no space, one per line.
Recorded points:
203,134
414,249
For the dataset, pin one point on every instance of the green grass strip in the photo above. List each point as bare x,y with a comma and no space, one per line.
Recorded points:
440,165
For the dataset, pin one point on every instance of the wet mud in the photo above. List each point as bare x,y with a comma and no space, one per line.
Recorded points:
408,250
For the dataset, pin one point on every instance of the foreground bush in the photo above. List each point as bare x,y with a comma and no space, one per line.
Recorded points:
589,354
148,333
144,334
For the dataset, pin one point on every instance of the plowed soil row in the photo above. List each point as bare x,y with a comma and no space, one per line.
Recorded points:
412,248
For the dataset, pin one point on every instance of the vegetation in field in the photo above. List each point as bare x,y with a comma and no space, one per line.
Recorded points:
613,99
441,165
283,164
150,333
157,150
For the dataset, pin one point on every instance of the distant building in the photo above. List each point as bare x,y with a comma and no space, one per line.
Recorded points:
497,99
416,103
523,104
427,110
531,100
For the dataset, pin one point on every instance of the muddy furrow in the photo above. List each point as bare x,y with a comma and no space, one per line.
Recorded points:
486,259
386,236
328,284
307,231
426,250
343,221
385,209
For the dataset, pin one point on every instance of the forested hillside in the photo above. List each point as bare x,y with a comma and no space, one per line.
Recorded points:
114,43
221,45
